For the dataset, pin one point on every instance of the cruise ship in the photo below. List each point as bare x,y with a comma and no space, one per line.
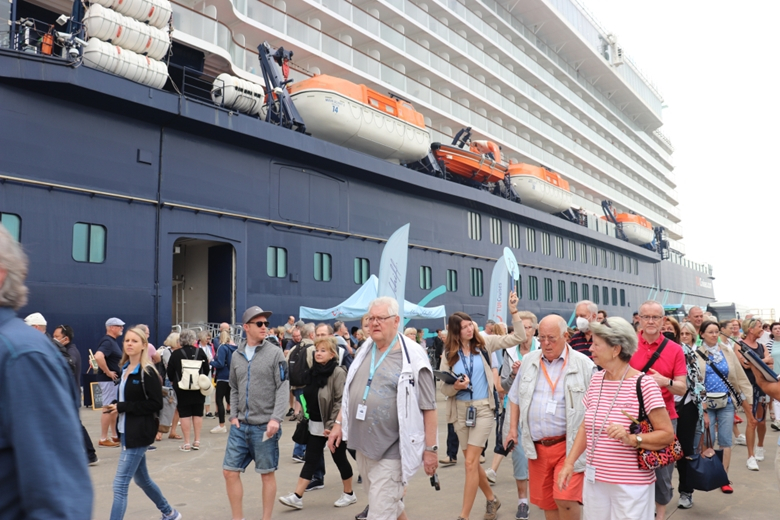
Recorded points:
139,194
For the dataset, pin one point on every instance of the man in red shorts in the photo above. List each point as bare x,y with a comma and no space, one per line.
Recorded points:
548,391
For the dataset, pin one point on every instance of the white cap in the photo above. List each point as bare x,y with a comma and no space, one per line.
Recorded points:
36,318
115,321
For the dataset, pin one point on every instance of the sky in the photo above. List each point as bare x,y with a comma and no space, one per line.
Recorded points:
715,64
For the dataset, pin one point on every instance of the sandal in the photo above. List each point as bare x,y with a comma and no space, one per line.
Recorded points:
185,447
196,445
175,436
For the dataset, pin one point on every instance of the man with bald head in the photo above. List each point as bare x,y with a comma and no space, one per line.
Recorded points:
548,390
696,317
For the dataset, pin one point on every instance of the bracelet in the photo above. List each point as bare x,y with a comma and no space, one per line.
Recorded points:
337,422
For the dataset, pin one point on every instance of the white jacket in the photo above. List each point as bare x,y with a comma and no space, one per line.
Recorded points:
410,417
576,380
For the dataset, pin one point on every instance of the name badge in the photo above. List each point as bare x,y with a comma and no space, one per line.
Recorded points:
361,412
551,407
590,473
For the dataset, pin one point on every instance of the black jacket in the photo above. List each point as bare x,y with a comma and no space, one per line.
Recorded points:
141,411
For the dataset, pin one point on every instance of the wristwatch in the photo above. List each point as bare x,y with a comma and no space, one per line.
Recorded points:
638,441
671,382
433,448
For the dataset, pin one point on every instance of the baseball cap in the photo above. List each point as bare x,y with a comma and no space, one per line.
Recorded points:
253,312
115,321
36,318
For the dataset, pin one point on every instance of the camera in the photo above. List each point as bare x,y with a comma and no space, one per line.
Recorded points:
435,482
471,417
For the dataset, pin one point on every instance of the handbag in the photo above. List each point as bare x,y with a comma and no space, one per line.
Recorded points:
301,434
717,400
652,459
705,470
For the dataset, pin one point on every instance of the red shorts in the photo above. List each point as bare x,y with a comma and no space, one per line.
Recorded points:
543,477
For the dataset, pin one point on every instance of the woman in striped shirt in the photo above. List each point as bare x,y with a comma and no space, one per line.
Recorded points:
615,487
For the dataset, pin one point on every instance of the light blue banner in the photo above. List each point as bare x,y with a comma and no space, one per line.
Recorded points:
392,269
500,285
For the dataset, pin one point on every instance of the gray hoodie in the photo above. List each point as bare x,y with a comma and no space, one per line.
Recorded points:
259,389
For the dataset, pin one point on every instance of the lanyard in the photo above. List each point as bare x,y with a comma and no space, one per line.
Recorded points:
469,368
547,376
606,416
372,367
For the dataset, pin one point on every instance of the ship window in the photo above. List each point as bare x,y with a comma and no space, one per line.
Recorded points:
495,231
614,296
603,258
452,280
596,294
475,226
622,297
572,250
425,277
605,294
628,261
530,239
559,247
362,273
390,110
621,263
584,253
475,283
612,260
323,267
574,297
13,223
585,291
561,291
374,102
519,287
594,255
545,243
276,262
533,288
89,243
636,266
548,290
514,236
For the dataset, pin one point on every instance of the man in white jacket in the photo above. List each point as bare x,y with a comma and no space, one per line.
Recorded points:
390,388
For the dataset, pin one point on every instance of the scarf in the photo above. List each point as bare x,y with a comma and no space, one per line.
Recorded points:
715,352
320,373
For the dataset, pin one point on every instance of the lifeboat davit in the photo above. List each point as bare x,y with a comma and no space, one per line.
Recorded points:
540,188
636,228
480,163
351,115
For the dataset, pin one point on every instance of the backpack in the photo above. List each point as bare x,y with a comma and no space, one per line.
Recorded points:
298,366
190,371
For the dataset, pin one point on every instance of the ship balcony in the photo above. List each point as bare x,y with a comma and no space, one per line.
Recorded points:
295,30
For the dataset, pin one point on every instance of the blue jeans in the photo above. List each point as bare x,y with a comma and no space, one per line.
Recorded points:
132,465
724,418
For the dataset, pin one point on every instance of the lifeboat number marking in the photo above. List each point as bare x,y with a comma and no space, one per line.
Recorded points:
335,104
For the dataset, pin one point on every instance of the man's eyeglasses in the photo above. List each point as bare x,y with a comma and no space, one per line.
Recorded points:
548,339
651,318
260,324
377,319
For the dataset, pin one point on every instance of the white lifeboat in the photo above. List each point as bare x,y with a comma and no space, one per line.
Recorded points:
351,115
122,62
238,94
540,188
636,228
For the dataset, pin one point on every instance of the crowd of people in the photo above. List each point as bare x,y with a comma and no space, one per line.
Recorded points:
576,409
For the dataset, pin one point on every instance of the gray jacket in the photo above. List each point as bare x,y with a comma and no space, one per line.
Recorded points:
259,389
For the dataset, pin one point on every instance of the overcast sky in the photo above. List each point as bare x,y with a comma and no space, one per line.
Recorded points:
717,69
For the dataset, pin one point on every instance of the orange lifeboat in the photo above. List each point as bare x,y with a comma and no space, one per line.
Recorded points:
540,188
636,228
473,164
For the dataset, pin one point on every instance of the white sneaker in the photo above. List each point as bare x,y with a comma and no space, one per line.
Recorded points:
491,476
740,439
218,429
752,465
759,453
345,500
292,500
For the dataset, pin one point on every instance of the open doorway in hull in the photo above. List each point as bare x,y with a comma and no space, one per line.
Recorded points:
204,282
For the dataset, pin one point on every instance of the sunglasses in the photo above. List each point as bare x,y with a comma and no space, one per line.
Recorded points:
260,324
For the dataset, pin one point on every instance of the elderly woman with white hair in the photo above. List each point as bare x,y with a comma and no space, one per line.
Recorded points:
615,487
190,402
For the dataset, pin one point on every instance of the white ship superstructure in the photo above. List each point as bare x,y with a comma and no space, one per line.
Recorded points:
542,78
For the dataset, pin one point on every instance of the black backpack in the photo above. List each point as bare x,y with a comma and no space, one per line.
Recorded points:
299,368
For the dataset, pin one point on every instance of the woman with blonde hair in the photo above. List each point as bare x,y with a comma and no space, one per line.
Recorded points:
140,399
471,407
221,364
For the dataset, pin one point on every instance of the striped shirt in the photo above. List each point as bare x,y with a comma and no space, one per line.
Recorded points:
581,344
616,463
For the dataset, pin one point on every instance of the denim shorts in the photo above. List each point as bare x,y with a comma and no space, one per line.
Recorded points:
245,444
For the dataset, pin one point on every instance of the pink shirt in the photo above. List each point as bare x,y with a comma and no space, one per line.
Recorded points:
670,364
616,463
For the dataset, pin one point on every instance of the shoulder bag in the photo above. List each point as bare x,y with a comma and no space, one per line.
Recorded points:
717,400
705,469
652,459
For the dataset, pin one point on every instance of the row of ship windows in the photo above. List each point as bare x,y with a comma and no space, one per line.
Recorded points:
323,272
609,259
88,242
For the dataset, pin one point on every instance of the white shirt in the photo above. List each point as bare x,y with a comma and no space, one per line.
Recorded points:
544,424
